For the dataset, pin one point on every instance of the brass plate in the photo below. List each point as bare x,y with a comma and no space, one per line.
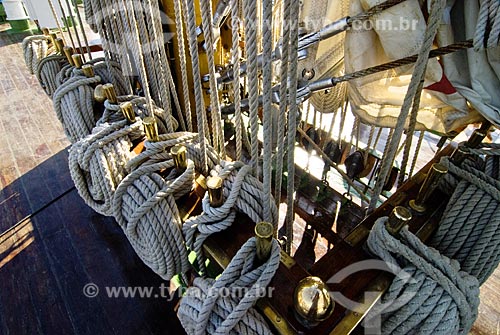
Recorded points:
287,261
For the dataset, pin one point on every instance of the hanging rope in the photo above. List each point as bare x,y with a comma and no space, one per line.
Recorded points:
205,309
411,98
34,48
488,25
243,193
47,71
430,295
469,229
235,58
145,207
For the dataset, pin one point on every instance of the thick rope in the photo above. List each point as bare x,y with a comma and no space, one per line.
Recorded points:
436,12
47,71
145,207
242,192
488,25
430,295
205,309
235,58
34,48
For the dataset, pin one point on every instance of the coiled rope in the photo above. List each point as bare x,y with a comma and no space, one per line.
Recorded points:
488,25
47,71
242,192
145,207
34,48
207,309
470,228
430,295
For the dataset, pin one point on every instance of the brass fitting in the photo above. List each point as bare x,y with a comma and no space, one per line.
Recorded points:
178,154
99,95
215,191
151,129
476,138
88,70
128,111
46,31
53,38
430,184
264,236
77,60
399,218
110,93
68,52
312,302
59,45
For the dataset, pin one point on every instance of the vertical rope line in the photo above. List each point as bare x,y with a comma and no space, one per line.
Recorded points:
82,28
66,24
123,56
74,26
206,15
235,55
198,91
369,144
436,12
182,60
292,122
250,14
417,151
54,13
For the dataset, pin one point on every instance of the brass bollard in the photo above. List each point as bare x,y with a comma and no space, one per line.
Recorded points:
128,111
429,186
110,93
88,70
178,154
215,191
68,52
77,60
264,235
99,95
312,302
399,218
151,129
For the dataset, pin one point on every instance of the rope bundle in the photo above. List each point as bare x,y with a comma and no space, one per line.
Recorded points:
34,48
47,71
206,309
430,295
242,192
470,228
488,25
98,162
145,207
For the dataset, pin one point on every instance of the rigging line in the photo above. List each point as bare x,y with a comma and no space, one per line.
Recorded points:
54,13
235,55
66,24
82,28
417,152
74,27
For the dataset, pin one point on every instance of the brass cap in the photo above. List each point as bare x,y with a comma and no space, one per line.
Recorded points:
53,38
215,191
77,60
46,31
88,70
178,154
68,52
312,301
476,138
59,45
128,111
99,95
430,184
264,235
151,129
109,91
399,218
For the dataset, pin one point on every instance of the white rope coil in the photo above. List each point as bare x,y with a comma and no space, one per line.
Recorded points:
145,203
430,295
243,193
215,307
98,162
47,71
34,48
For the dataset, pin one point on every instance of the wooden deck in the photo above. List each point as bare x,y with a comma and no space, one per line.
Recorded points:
52,244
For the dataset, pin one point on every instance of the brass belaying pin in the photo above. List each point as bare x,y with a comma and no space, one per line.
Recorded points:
88,70
128,111
399,218
77,60
151,129
68,52
59,44
312,302
430,184
264,240
53,38
46,31
110,93
215,186
178,153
